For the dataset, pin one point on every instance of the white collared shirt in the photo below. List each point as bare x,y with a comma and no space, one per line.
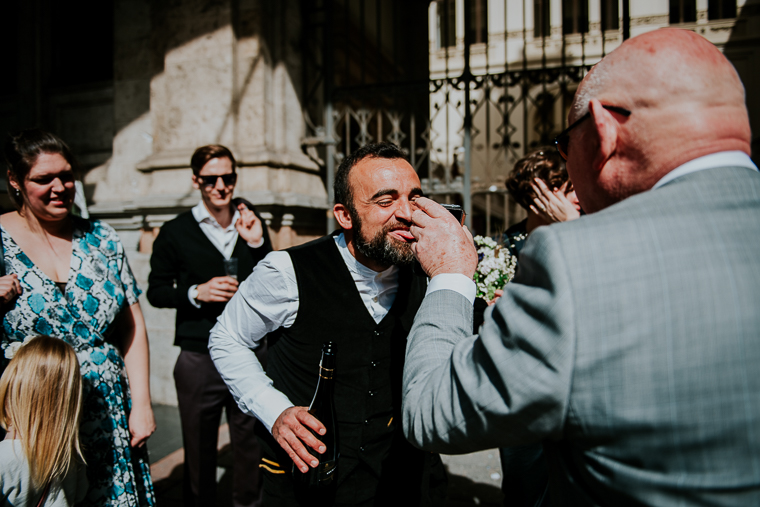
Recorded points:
466,287
712,161
268,300
223,238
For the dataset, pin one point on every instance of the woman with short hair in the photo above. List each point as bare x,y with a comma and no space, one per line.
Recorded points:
540,185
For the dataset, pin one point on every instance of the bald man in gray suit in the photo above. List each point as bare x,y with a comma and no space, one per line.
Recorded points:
629,342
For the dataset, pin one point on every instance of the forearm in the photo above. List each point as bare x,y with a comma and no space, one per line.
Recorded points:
428,415
265,301
137,356
245,377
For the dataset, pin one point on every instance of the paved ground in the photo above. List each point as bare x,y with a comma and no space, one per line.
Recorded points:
474,479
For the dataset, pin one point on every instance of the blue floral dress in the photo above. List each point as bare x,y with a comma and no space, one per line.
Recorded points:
99,288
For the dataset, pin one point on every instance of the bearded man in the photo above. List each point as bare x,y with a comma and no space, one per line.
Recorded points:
356,288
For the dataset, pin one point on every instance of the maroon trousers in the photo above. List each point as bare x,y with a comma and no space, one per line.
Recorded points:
202,394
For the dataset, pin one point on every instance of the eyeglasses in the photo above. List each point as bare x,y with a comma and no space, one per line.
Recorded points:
563,139
210,181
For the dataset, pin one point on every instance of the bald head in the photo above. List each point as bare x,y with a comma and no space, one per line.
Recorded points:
664,68
686,101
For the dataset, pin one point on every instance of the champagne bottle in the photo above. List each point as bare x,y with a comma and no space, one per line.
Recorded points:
324,476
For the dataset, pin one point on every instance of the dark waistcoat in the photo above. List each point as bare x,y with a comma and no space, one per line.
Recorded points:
369,358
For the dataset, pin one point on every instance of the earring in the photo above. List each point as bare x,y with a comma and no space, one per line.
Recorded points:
16,193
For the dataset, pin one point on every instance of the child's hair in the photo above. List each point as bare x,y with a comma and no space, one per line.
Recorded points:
41,398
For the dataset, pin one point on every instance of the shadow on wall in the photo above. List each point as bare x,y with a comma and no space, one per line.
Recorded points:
84,69
183,75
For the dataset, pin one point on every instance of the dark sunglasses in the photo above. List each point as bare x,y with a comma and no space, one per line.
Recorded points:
563,139
210,181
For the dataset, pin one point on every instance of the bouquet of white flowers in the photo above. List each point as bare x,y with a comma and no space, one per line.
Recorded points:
496,267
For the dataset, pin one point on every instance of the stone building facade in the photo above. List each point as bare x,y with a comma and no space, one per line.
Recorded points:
134,86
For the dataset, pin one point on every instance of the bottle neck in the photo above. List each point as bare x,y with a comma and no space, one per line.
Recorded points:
325,372
327,366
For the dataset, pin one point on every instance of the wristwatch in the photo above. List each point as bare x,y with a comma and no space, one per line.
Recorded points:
192,294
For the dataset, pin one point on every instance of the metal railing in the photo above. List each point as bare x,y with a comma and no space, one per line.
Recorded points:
475,112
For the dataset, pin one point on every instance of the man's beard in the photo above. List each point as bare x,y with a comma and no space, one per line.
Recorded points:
382,248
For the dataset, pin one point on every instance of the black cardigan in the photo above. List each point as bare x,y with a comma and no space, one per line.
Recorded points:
182,257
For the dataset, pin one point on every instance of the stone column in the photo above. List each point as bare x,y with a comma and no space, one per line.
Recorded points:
190,73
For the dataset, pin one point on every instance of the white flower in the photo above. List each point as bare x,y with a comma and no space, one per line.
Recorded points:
495,269
13,347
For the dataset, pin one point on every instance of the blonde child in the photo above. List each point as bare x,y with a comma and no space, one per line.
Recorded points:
40,403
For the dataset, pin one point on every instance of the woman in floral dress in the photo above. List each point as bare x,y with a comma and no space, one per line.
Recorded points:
69,278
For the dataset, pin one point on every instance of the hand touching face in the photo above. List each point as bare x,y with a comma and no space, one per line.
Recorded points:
559,205
383,192
443,245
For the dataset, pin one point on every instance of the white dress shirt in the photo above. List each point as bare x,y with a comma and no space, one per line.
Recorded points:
268,300
223,238
466,287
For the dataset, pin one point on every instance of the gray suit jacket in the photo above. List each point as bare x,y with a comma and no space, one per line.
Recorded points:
628,343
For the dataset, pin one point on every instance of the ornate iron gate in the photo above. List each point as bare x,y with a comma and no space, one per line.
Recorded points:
492,87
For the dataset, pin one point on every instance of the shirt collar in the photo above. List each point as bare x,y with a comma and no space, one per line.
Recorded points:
357,267
201,214
720,159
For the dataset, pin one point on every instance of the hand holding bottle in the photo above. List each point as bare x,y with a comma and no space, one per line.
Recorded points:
291,431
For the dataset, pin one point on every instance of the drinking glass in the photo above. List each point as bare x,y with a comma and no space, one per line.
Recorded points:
231,267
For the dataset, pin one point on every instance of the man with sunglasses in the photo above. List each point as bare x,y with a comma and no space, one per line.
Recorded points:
188,273
627,344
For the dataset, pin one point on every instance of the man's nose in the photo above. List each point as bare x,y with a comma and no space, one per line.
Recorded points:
219,185
404,210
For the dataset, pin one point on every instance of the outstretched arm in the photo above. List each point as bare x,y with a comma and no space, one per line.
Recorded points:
509,385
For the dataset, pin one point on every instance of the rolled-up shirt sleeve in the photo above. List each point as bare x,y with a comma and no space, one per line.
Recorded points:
265,301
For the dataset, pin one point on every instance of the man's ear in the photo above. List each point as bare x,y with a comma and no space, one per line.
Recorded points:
606,127
196,185
343,216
